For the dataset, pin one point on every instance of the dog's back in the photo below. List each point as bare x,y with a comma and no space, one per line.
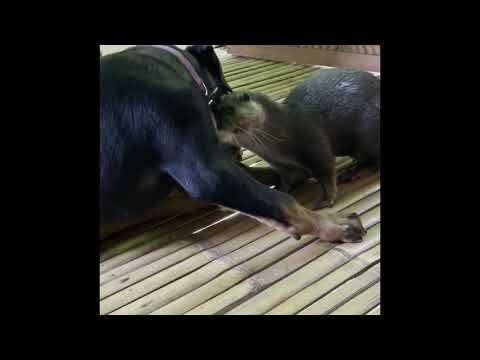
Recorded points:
136,91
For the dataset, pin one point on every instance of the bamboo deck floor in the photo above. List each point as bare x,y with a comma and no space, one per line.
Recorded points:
217,262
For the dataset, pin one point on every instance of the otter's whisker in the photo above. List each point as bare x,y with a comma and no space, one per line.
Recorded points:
256,140
267,134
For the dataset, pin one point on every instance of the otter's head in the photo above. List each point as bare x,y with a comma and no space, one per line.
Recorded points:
239,117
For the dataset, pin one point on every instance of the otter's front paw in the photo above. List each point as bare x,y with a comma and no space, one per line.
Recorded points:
353,229
284,187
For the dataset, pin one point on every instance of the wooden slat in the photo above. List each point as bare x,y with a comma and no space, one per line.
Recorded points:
267,277
329,280
170,274
361,303
153,240
295,80
216,304
253,70
156,298
252,160
243,65
261,279
280,291
254,85
142,239
374,311
289,295
213,267
197,245
164,251
268,75
233,60
332,302
152,256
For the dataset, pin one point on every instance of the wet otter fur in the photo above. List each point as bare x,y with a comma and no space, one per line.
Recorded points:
336,112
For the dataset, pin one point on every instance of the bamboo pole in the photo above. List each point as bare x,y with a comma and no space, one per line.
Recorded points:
286,86
328,279
145,243
257,263
300,279
159,279
256,84
281,93
362,303
244,289
145,286
252,160
271,74
243,60
268,300
242,64
273,265
247,154
293,81
116,246
183,267
195,243
160,253
369,202
374,311
341,295
256,161
240,61
160,296
280,246
232,60
253,71
140,255
213,267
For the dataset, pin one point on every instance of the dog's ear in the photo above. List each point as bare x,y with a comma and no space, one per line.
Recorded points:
200,51
207,58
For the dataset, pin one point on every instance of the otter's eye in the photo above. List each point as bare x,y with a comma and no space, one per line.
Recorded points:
228,112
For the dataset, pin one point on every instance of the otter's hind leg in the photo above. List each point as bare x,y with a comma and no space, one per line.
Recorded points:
326,174
329,186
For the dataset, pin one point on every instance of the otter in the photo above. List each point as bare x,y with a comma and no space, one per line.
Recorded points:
335,112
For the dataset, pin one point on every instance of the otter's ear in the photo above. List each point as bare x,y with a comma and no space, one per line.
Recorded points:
245,97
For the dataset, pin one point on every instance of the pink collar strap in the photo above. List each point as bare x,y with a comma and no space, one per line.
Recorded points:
185,63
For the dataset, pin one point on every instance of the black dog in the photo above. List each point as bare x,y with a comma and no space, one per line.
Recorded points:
157,130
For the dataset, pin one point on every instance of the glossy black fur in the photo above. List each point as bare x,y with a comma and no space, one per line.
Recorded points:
346,105
157,129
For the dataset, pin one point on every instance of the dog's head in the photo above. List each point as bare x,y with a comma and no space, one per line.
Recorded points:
208,60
